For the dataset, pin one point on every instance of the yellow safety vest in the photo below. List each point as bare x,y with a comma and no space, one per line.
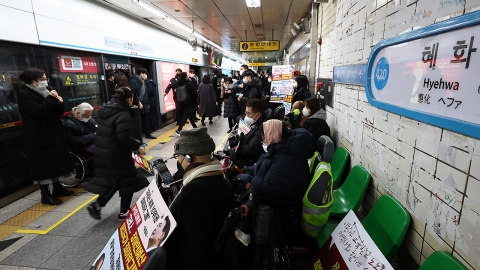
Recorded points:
315,216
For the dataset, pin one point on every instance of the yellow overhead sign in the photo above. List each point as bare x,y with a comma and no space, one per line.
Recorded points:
256,64
259,46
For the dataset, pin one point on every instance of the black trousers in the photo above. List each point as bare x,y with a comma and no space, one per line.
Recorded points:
146,125
231,122
188,113
178,112
125,202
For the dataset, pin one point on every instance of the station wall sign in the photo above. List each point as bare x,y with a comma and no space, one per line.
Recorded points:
353,74
430,75
260,46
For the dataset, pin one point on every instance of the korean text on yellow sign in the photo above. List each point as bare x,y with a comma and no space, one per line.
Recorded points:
260,46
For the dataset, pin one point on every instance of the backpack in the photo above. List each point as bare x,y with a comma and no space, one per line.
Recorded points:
251,237
182,95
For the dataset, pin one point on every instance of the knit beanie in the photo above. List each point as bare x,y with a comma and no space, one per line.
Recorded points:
272,131
194,142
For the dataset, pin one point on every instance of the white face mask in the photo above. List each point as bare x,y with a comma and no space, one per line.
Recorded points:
265,147
269,79
42,85
306,111
248,120
246,80
241,72
83,119
144,76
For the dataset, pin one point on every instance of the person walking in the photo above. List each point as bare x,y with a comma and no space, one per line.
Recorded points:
230,109
47,148
114,166
172,86
188,108
207,100
151,87
137,83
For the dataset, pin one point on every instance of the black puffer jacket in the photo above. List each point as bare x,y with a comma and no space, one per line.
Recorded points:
230,109
251,91
301,94
317,125
79,134
136,85
114,166
251,148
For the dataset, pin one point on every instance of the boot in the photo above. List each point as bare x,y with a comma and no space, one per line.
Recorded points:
47,198
203,123
59,190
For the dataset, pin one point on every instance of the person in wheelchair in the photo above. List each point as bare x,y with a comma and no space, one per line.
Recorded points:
79,128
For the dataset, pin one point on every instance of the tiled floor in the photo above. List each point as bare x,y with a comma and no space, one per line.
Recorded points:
75,242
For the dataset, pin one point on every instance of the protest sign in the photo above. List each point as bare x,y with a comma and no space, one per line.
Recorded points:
350,247
243,127
147,226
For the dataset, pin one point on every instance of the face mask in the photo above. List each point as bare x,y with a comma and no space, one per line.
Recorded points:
191,75
241,72
83,119
265,147
306,111
248,120
181,170
269,80
246,80
42,85
144,77
55,76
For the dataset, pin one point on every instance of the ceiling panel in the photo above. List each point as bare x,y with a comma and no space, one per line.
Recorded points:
203,8
170,7
229,8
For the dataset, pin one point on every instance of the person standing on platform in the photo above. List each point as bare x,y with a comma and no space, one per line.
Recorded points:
137,83
230,109
151,86
216,83
173,85
188,108
301,92
251,87
194,80
114,166
110,83
207,100
47,148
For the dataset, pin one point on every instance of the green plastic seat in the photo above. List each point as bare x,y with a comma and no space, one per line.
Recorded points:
350,195
442,260
387,223
338,164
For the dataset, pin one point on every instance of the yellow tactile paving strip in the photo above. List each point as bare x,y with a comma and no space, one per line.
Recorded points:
19,221
14,224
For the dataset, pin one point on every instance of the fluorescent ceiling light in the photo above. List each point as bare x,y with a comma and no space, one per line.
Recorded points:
151,9
253,3
179,24
297,26
293,32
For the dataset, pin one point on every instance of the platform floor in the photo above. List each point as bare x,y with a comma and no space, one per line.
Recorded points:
36,236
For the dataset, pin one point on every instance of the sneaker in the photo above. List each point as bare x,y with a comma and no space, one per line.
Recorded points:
211,122
94,211
177,133
122,216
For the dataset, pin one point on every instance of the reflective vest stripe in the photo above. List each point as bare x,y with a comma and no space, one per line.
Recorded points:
315,216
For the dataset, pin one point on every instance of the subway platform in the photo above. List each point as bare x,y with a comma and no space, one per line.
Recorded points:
37,236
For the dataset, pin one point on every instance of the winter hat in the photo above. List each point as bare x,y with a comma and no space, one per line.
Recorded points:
194,142
110,73
272,131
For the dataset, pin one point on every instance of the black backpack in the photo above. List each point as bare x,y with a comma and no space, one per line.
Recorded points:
251,238
182,95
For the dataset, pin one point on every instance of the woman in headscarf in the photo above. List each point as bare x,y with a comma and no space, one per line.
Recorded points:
47,148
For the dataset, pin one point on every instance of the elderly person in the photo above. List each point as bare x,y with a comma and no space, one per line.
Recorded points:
47,148
80,128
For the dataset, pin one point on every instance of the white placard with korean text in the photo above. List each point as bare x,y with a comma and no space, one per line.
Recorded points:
356,247
433,79
147,226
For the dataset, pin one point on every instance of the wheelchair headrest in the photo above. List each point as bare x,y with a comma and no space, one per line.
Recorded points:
325,147
269,114
279,113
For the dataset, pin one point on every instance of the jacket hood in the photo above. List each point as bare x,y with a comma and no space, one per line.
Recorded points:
254,83
113,107
182,81
321,114
299,143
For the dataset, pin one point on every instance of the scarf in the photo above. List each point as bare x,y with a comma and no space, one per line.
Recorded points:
272,131
142,90
43,92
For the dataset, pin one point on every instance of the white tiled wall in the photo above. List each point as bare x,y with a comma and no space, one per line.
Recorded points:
433,172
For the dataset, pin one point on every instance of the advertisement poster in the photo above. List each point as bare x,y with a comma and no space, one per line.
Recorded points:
280,89
284,72
78,64
147,226
167,72
350,247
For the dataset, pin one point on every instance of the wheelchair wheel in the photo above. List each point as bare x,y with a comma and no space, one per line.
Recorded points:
80,166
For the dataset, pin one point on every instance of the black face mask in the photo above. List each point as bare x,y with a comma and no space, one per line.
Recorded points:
181,170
